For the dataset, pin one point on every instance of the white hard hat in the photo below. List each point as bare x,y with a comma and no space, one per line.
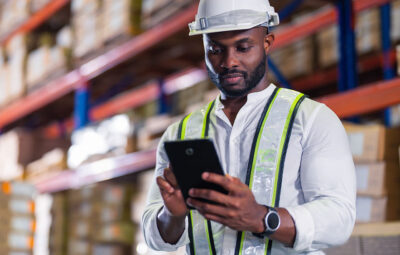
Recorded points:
227,15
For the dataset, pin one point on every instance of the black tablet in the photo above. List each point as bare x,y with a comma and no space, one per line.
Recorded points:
189,159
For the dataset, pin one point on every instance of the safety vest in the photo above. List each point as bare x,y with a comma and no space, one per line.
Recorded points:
264,173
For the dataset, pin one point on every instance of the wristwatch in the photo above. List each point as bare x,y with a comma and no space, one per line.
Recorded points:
272,221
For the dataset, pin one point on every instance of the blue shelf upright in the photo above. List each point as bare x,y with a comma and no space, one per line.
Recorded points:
347,47
388,68
81,112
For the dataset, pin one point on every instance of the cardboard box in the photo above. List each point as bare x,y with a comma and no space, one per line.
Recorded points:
395,24
121,232
368,31
87,34
327,39
378,179
373,209
120,18
372,143
52,162
370,209
296,59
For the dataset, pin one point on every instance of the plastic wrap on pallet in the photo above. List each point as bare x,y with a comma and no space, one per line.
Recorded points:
109,136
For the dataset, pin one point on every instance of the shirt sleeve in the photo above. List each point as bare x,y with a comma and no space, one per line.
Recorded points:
155,203
327,177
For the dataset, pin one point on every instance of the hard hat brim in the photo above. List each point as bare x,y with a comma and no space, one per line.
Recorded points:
223,29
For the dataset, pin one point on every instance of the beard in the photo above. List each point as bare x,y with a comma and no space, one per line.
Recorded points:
251,80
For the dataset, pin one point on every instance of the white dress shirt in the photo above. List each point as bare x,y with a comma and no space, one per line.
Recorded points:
318,186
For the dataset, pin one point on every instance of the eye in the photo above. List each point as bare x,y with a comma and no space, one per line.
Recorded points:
243,49
215,50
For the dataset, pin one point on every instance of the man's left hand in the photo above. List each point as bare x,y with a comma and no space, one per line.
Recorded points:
237,210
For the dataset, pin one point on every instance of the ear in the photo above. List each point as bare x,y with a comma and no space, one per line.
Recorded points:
268,42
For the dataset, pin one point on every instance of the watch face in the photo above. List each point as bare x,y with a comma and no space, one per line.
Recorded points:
273,220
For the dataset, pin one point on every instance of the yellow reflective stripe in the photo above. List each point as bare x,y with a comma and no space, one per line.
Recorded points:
259,138
241,243
284,135
255,160
203,131
208,237
184,124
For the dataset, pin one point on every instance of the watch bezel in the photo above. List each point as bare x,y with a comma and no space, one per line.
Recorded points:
269,229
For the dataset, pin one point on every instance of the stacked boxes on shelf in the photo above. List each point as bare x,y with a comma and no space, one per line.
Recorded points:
50,163
156,11
59,225
16,51
43,204
13,13
375,154
296,59
368,36
20,147
17,218
36,5
98,219
50,59
120,19
395,21
110,137
86,25
328,49
15,151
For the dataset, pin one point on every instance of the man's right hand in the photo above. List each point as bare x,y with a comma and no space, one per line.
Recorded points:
171,194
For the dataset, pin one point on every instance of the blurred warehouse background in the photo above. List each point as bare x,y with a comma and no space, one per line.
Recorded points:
87,87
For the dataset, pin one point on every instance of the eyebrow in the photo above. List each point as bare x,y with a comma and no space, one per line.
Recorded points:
244,40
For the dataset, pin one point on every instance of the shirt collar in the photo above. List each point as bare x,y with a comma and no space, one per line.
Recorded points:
252,98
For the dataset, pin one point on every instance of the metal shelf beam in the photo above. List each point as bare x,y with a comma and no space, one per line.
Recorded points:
364,99
102,170
35,100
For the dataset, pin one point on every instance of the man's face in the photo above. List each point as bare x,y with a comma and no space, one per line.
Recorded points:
236,61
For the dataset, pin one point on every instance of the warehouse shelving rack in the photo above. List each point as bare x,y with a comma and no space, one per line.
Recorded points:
361,100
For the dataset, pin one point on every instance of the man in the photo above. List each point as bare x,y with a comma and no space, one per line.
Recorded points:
289,171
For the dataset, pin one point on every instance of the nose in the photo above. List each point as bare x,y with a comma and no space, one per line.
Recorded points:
229,60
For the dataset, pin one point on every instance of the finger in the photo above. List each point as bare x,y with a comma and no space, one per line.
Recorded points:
170,177
212,195
216,218
164,185
207,208
229,183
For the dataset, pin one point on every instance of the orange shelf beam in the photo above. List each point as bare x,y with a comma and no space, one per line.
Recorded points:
365,99
35,100
35,20
135,98
290,34
102,170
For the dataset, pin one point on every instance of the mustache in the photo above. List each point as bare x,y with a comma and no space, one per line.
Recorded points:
232,71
